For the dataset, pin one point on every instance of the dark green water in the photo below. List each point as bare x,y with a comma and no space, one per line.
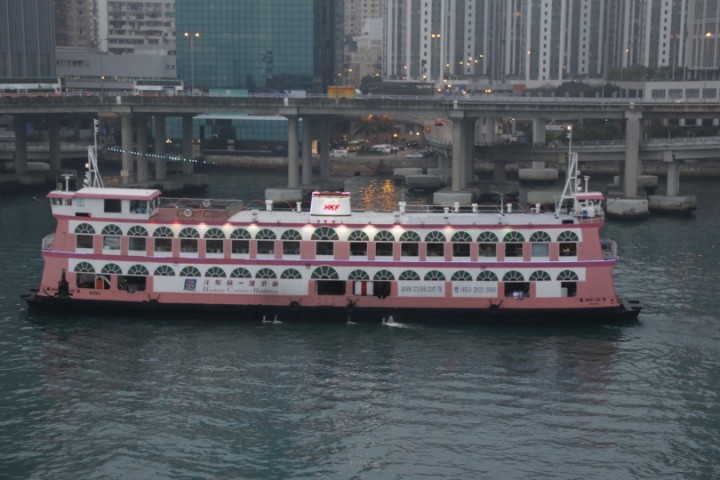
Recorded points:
141,398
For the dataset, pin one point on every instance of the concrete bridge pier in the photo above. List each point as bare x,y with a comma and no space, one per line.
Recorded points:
324,149
187,139
160,148
630,206
469,148
293,192
307,150
54,142
488,131
538,132
141,133
127,174
20,159
459,168
672,201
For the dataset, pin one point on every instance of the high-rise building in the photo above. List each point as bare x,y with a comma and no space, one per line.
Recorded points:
27,38
548,40
273,44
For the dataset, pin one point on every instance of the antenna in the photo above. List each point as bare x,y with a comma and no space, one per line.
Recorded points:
92,175
571,182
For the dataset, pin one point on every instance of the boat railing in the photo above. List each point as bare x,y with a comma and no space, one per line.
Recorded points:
475,208
188,207
47,241
609,248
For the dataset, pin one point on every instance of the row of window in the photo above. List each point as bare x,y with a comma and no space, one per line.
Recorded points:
215,247
325,272
328,234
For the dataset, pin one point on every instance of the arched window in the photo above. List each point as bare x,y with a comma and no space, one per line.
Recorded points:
567,275
190,271
291,242
358,275
324,236
85,276
382,283
384,243
434,276
513,244
188,240
265,234
409,244
84,235
265,241
568,236
324,233
240,272
540,244
487,276
515,285
215,272
358,243
189,232
240,234
409,236
291,235
240,241
461,244
383,275
409,275
568,242
325,272
214,233
435,244
568,282
137,231
85,228
265,273
111,230
461,276
384,236
84,267
138,270
163,232
487,244
164,271
540,276
513,276
112,269
358,236
163,239
137,238
291,273
111,237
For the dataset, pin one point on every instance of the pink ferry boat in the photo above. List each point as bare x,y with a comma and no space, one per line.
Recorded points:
123,249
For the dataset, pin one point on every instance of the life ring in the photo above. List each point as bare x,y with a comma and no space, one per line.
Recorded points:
206,203
294,306
187,213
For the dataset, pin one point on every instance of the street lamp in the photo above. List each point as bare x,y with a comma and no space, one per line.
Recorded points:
192,37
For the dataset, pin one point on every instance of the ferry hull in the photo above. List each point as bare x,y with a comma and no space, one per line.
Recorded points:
627,311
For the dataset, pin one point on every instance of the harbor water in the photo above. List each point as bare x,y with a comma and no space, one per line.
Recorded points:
144,397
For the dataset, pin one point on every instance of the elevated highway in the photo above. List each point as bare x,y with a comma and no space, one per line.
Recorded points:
463,113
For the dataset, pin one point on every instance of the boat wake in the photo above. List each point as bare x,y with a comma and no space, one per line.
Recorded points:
390,322
274,320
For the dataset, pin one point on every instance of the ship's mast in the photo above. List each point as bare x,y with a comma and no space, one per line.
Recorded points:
92,175
572,185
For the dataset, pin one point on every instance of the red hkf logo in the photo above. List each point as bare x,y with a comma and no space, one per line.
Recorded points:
331,207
